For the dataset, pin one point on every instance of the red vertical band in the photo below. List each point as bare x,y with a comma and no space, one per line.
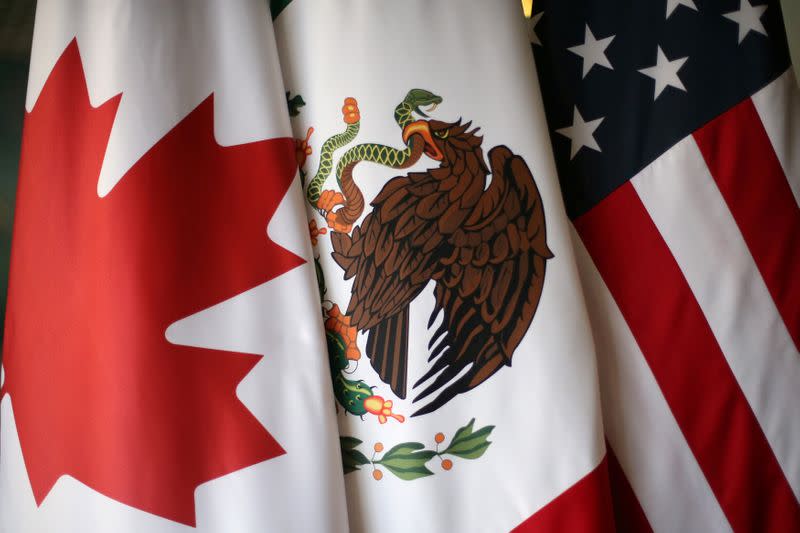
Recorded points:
688,364
585,507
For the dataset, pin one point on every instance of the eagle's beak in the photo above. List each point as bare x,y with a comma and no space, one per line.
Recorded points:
422,128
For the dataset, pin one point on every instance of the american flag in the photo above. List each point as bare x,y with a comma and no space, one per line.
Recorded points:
676,131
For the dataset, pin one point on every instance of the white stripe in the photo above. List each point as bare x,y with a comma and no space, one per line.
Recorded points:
685,204
778,105
657,461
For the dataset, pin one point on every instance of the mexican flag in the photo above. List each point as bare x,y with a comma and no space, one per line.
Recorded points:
463,367
299,270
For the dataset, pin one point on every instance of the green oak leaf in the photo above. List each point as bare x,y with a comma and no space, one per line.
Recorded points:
276,6
294,103
407,461
349,443
352,459
469,444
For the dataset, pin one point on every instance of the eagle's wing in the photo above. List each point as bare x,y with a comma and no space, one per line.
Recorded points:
491,287
392,255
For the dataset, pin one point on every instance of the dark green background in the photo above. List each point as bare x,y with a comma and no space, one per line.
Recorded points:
16,32
13,76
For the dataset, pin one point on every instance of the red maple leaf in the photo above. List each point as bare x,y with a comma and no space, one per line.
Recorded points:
98,392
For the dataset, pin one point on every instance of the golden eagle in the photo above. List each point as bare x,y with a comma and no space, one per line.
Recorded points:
484,246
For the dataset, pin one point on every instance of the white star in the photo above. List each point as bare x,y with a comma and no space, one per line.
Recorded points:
673,4
532,37
581,133
748,18
593,51
665,72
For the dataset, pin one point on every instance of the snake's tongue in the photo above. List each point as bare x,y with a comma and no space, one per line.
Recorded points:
422,113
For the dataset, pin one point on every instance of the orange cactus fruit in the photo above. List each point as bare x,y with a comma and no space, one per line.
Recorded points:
315,232
302,148
381,408
373,404
350,110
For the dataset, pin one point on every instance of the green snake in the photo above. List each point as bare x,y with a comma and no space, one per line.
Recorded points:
372,152
326,160
355,396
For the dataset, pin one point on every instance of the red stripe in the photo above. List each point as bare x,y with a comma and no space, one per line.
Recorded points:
688,364
628,513
749,175
585,507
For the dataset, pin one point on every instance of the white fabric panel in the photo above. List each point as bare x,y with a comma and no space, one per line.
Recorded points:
778,105
639,424
683,200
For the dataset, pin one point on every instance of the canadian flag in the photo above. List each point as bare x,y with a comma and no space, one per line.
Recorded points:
162,367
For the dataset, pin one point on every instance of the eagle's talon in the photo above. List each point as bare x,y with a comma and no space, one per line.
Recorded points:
328,200
333,222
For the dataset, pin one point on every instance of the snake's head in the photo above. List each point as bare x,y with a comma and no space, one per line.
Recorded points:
417,98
